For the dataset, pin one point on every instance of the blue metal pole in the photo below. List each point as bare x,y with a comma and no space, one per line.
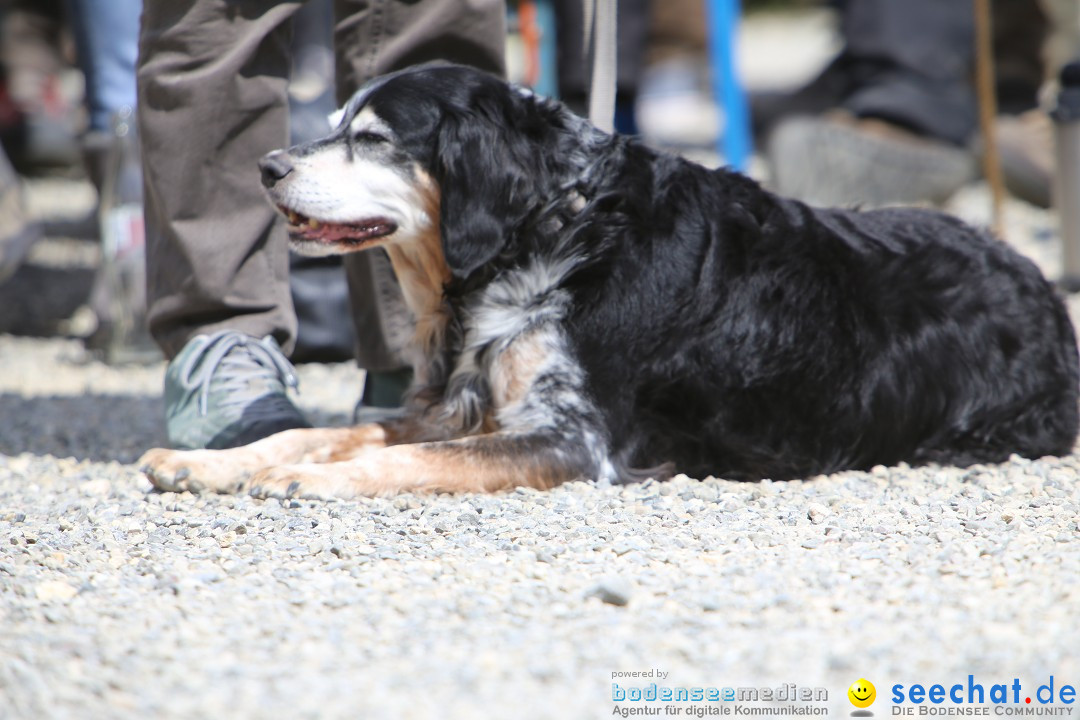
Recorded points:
735,141
549,80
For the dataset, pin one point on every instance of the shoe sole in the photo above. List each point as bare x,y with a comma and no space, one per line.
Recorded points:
830,164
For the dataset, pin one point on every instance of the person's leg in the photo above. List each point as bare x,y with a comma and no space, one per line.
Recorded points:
36,124
925,57
106,36
1025,137
675,105
107,47
17,231
897,129
921,58
374,37
212,79
212,100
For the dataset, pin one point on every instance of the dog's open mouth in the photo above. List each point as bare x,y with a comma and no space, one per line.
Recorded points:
308,229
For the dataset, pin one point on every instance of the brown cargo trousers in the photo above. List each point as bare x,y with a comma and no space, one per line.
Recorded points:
212,81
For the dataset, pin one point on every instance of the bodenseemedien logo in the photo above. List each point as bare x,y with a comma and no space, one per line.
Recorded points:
862,695
788,699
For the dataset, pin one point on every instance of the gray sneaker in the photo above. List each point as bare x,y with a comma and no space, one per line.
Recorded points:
228,389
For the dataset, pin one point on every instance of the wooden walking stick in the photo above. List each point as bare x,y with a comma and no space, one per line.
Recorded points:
984,75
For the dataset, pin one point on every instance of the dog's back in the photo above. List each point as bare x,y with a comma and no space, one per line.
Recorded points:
750,336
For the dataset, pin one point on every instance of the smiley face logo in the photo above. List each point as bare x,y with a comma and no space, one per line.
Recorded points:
862,693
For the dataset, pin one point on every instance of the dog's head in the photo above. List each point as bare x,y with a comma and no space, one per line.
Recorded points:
432,149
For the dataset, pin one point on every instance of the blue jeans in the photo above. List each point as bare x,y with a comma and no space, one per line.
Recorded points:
107,38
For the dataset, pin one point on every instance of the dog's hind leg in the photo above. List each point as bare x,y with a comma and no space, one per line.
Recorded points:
479,464
227,471
1044,425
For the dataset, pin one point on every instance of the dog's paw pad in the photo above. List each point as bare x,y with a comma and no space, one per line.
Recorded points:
166,470
281,483
269,484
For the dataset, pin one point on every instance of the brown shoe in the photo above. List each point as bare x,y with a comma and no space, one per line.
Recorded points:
1026,146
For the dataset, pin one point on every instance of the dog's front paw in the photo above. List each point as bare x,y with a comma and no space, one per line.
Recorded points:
309,482
283,482
189,470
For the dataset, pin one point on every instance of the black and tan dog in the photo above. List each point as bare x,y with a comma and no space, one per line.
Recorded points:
587,307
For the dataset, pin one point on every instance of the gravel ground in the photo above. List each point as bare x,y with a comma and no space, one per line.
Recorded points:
120,602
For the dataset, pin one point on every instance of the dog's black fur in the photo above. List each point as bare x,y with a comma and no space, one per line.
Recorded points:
724,329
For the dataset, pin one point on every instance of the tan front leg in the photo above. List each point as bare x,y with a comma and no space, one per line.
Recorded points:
479,464
228,471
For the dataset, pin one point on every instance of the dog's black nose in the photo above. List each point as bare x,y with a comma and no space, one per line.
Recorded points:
274,167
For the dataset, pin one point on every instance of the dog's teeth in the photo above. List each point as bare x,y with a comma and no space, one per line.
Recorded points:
293,217
313,224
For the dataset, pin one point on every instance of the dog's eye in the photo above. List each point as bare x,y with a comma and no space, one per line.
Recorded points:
370,137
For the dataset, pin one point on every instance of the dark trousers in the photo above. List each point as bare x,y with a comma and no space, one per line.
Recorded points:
920,54
913,62
212,81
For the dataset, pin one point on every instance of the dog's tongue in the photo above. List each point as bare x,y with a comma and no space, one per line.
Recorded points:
327,232
335,232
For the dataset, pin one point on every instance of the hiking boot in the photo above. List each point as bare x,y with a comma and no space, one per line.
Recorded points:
840,160
228,389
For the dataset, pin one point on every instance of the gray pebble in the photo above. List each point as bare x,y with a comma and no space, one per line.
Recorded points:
612,590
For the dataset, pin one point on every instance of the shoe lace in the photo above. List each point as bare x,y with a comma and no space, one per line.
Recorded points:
241,366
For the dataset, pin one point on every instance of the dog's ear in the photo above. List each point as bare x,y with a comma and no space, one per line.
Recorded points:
334,119
484,189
